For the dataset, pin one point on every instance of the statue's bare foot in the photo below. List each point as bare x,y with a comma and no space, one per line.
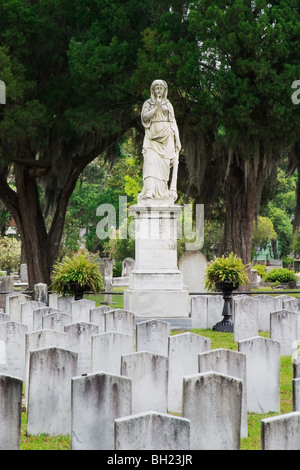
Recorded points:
173,194
149,194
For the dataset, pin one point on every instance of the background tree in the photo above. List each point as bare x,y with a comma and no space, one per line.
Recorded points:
232,64
67,67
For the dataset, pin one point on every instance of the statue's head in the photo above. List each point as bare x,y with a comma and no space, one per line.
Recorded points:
162,85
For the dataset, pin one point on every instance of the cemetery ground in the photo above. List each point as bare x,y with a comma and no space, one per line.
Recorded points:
218,340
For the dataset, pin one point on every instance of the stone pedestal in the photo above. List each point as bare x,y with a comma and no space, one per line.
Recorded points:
156,284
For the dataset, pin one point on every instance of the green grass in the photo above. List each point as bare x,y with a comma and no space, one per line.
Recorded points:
218,340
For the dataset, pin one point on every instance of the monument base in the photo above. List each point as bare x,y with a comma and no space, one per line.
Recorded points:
157,303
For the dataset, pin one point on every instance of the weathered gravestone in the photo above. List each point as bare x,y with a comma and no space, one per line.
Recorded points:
296,394
153,336
292,305
27,309
13,306
281,432
13,334
152,431
38,315
265,305
10,412
6,285
263,374
107,350
245,317
127,266
97,400
285,328
232,363
120,320
60,302
212,402
199,311
42,339
184,349
41,293
4,317
80,310
192,264
56,321
49,391
215,305
97,315
149,374
80,336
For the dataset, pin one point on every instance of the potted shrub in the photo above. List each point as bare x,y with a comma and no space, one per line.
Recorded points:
75,275
226,274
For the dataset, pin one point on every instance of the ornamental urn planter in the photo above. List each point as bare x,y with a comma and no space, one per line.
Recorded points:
226,325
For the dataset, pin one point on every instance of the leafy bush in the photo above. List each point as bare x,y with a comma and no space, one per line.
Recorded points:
279,275
261,269
230,268
10,254
77,270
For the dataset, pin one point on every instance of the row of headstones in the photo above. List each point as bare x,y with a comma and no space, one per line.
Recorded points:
153,327
101,346
96,409
278,315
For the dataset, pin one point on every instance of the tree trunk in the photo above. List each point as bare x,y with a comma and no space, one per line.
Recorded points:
243,184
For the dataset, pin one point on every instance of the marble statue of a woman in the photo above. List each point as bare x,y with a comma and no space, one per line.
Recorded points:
161,145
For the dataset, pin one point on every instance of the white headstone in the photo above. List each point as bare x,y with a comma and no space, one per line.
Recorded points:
80,336
292,305
199,305
149,374
80,310
56,321
13,334
281,432
152,431
27,309
120,320
245,318
10,412
265,305
296,394
228,362
212,402
41,293
13,305
263,374
215,304
153,336
127,266
49,395
193,264
97,400
38,315
98,317
107,350
184,349
41,339
285,328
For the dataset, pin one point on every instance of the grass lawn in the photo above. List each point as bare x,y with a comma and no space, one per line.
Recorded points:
218,340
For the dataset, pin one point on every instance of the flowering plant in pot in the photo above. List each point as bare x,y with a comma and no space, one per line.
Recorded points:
226,274
75,275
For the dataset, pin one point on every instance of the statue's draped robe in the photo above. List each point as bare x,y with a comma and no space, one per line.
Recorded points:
161,145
